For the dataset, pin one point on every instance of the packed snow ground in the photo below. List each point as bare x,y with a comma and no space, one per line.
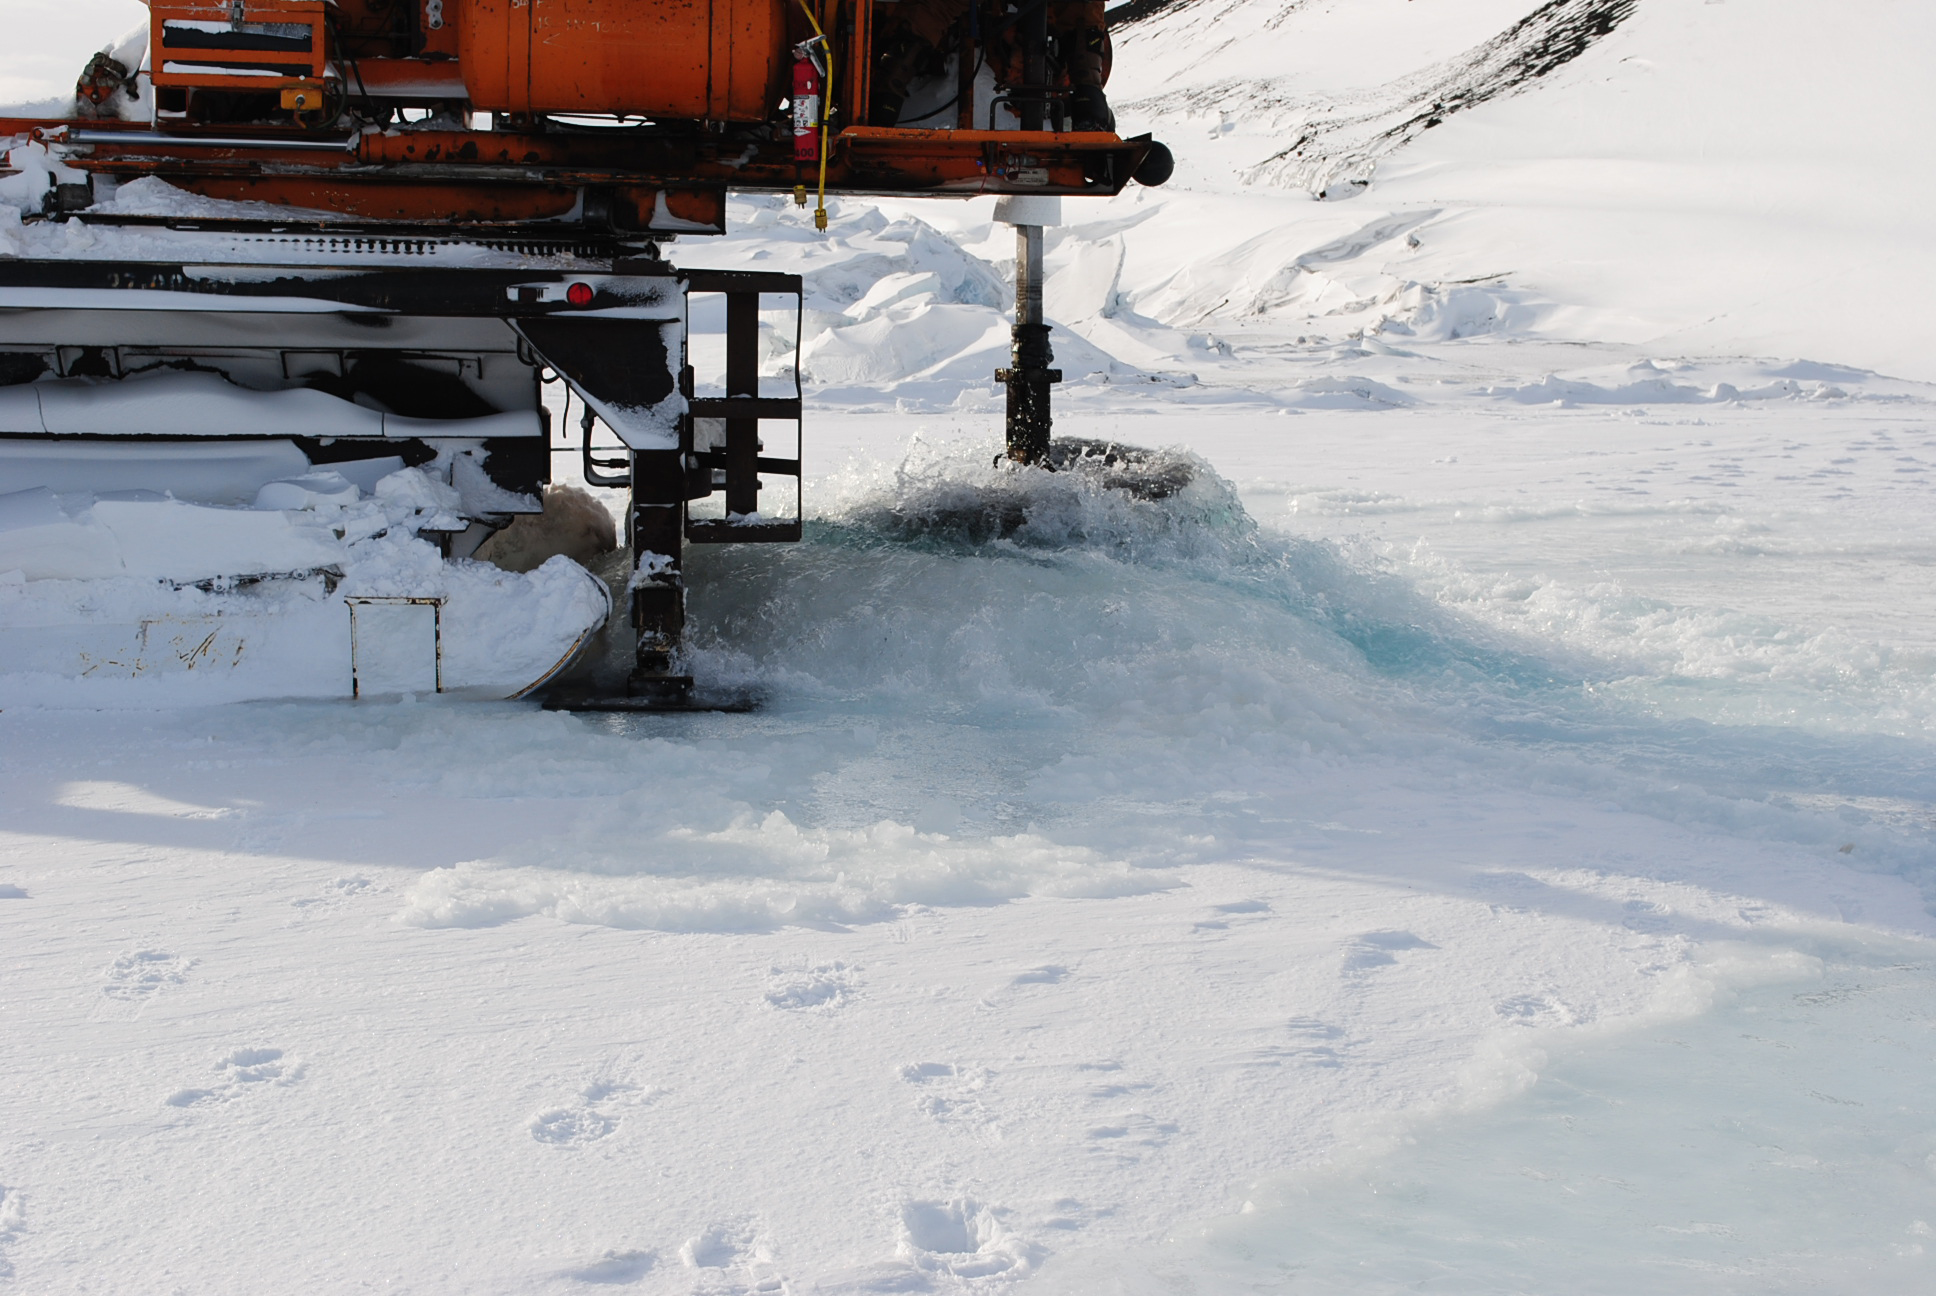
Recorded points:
1070,891
1529,704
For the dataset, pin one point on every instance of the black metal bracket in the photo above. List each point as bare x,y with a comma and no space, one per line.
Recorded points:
737,466
593,465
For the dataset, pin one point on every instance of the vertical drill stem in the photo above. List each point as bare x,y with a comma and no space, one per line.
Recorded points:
1029,376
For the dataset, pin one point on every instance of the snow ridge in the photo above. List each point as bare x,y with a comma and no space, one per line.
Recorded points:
1341,140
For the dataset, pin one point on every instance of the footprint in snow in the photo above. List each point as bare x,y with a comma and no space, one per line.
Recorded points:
1048,974
718,1247
821,987
8,891
1071,1214
1311,1042
1379,949
923,1072
950,1095
13,1222
1646,917
570,1126
1118,1089
335,893
732,1257
1121,1136
241,1072
1222,914
962,1238
1121,1086
140,973
616,1268
1536,1010
1314,1042
1127,1137
587,1120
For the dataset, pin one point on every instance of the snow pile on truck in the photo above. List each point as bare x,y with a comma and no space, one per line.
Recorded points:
145,598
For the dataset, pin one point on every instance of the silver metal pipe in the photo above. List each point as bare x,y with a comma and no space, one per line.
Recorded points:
155,139
1028,274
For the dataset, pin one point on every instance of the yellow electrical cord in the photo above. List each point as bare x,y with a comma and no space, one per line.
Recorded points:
826,103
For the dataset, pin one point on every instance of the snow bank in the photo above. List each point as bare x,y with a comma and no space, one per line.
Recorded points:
1648,383
102,607
762,874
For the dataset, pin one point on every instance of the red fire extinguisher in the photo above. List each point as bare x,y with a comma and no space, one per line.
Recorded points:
809,76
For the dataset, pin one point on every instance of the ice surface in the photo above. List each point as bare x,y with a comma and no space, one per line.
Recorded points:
1098,865
1670,1159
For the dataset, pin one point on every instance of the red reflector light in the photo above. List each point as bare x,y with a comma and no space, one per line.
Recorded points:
579,294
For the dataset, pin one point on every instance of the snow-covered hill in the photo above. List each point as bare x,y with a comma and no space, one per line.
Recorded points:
1682,178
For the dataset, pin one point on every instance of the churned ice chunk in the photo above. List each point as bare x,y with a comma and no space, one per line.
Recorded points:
415,496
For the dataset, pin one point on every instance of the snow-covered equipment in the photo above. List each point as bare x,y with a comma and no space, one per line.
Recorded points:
287,285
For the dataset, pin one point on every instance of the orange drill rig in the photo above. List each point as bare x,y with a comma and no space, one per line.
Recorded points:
399,218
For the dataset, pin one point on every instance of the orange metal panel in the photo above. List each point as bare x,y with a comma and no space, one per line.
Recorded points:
517,55
280,43
759,62
494,50
410,78
693,209
719,60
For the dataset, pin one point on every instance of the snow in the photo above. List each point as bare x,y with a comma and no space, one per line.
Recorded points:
105,607
206,474
309,491
205,404
1612,1175
142,533
1474,834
